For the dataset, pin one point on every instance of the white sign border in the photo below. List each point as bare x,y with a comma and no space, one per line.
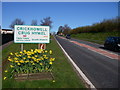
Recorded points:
32,42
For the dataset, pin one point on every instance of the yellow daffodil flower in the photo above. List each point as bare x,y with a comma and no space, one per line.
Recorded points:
11,53
37,61
6,71
36,55
10,60
46,51
11,66
31,50
33,63
46,57
9,57
52,59
53,81
50,51
50,63
29,57
24,51
21,52
5,78
21,61
24,58
15,58
27,61
41,64
18,63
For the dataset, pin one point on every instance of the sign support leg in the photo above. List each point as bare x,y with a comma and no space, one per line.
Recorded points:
21,47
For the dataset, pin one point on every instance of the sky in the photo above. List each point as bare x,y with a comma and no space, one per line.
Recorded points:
75,14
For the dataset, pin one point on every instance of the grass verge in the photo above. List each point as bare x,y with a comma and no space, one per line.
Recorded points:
95,37
65,76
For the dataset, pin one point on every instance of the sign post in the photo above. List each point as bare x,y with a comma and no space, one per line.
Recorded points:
32,34
21,47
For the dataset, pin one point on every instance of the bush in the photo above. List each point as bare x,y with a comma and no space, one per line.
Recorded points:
104,26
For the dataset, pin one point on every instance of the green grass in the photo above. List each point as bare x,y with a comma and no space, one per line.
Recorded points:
65,76
95,37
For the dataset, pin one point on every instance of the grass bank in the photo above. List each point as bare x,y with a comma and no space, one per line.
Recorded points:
65,76
95,37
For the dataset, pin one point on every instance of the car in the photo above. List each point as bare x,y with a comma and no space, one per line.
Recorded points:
68,36
112,43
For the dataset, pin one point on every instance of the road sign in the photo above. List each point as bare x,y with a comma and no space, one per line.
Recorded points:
42,46
31,34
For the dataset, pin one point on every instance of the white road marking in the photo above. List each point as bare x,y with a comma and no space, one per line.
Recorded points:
78,69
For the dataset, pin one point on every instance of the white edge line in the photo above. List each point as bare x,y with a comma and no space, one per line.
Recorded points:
77,68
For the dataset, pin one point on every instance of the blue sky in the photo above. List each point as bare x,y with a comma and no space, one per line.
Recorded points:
75,14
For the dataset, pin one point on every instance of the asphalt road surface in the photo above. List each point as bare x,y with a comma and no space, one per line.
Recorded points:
100,69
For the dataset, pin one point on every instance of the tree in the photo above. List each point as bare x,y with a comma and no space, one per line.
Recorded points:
46,22
34,22
60,29
16,22
66,29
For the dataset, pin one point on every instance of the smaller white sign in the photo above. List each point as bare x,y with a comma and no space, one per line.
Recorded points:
31,34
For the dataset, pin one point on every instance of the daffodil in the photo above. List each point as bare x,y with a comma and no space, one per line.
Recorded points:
5,78
31,50
33,63
18,63
27,61
9,57
37,61
46,57
24,51
6,71
50,51
52,59
36,55
53,81
21,61
46,51
11,66
24,58
10,60
11,53
50,62
35,51
29,57
41,64
15,58
21,52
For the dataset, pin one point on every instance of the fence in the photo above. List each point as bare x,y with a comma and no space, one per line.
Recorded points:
7,37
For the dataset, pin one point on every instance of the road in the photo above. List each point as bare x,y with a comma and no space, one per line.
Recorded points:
100,69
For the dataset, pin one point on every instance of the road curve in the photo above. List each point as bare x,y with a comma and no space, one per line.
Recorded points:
101,70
